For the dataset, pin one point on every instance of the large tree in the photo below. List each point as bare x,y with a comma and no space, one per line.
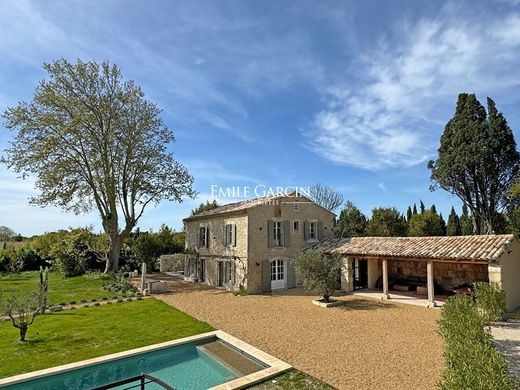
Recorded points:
427,223
93,140
326,196
386,222
477,161
351,222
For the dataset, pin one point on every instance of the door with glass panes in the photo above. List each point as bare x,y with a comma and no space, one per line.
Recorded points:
278,274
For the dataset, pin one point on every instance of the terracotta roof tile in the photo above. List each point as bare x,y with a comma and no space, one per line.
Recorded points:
476,248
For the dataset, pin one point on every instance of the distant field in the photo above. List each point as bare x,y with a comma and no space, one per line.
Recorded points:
61,290
74,335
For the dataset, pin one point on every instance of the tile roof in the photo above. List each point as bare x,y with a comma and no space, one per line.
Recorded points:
243,205
477,248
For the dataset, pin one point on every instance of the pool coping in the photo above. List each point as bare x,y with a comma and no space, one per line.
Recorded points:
276,366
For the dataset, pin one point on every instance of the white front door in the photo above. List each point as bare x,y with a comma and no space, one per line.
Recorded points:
278,274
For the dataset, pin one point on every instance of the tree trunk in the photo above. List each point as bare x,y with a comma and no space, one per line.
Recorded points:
23,331
113,253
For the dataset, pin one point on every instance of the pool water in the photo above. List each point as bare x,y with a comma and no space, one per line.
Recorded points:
183,367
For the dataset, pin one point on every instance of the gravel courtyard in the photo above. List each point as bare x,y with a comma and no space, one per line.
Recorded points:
364,344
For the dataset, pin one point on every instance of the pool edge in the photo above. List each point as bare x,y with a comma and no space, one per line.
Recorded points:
276,366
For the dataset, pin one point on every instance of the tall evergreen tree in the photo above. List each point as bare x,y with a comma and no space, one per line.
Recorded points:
414,209
442,223
466,224
477,161
421,206
425,224
453,228
433,209
409,214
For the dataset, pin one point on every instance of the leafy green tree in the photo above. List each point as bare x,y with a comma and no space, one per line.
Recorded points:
7,234
22,309
351,222
425,224
386,222
477,161
93,141
204,207
319,272
466,224
453,228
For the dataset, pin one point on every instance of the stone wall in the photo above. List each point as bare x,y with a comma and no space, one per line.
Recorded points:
448,275
171,263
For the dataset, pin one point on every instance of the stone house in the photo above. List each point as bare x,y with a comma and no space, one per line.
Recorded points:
428,265
251,243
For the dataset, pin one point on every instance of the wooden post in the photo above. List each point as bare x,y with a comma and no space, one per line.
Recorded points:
385,280
430,282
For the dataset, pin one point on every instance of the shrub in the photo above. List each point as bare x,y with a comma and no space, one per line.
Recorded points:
119,285
319,272
491,301
472,362
241,291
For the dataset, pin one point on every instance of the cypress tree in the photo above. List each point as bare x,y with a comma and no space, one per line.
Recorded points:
466,224
408,214
414,209
433,209
442,223
421,206
453,228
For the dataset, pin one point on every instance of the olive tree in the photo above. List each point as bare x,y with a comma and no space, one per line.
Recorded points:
319,272
22,309
93,141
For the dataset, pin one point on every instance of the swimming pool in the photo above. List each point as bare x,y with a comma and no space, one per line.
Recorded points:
198,362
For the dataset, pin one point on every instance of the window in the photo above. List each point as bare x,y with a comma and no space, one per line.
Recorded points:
296,225
277,270
203,236
277,233
229,272
313,230
296,206
230,238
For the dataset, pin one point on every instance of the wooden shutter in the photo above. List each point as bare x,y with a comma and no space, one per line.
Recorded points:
266,276
306,230
226,235
285,234
234,233
320,231
270,228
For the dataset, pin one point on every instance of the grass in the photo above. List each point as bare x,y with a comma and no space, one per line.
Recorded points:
292,380
74,335
61,290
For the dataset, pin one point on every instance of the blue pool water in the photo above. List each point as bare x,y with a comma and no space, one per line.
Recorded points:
183,367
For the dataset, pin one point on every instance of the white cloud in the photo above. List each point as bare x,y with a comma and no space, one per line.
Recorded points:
387,121
382,186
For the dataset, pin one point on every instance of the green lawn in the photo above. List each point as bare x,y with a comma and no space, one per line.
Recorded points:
61,290
74,335
292,380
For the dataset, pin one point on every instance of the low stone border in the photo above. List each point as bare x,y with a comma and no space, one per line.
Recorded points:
332,303
91,303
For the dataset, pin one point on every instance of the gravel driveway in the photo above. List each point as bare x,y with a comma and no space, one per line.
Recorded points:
363,344
506,336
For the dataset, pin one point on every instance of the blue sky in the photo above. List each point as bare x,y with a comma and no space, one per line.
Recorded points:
351,94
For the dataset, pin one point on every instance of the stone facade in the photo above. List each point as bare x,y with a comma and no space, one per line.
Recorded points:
252,255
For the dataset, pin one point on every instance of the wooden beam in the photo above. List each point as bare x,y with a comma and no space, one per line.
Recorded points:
385,279
430,284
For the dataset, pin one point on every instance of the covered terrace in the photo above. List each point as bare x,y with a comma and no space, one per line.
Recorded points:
425,270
